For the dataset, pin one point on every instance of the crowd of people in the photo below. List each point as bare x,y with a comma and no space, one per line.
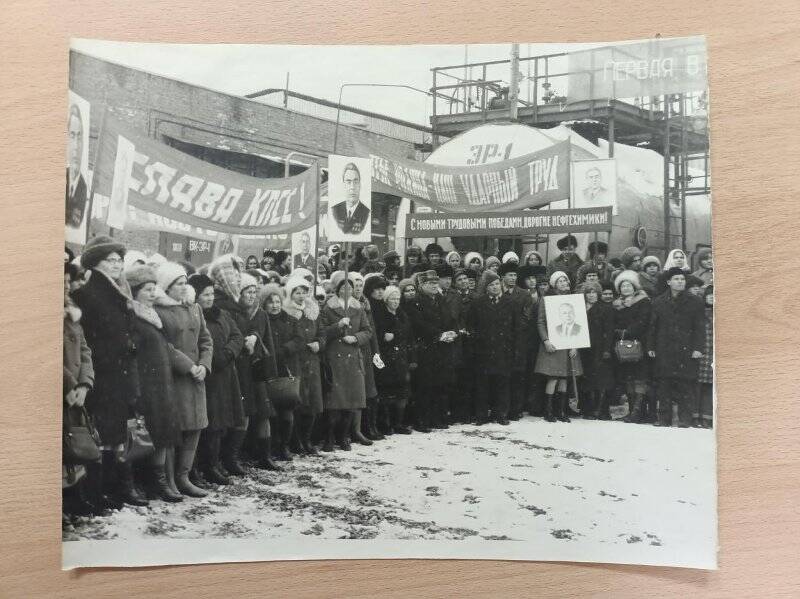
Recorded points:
379,345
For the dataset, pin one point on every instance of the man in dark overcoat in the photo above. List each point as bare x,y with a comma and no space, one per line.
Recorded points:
676,339
567,261
522,303
464,385
435,331
491,322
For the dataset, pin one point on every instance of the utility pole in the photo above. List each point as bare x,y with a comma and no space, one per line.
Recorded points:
513,91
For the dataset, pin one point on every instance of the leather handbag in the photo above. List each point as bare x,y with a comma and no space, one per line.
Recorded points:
138,444
81,442
282,391
628,350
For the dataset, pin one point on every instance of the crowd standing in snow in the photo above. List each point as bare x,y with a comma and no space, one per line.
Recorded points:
388,347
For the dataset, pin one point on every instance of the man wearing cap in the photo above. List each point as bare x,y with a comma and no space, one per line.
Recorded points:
492,321
568,261
676,338
435,332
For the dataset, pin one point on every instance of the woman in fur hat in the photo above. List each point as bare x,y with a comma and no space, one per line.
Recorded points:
287,343
510,257
396,348
367,354
237,294
159,364
223,395
108,324
556,364
492,263
303,308
372,263
598,369
346,331
474,262
648,276
185,328
453,259
631,320
414,262
533,258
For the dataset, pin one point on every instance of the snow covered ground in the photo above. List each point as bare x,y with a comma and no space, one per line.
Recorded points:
592,490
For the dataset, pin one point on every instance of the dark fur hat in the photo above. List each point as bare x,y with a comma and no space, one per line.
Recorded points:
565,241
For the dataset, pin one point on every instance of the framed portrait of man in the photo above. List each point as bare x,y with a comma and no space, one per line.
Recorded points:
594,183
349,199
567,325
304,249
78,183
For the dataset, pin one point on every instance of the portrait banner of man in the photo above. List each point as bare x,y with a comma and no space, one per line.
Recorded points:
594,183
567,325
349,199
78,183
304,249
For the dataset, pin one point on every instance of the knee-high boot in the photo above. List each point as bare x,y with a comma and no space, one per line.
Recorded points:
231,451
358,437
635,404
548,408
184,463
563,406
285,428
126,488
346,420
372,420
398,412
332,421
212,472
305,436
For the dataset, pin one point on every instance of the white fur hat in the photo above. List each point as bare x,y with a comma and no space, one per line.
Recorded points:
168,273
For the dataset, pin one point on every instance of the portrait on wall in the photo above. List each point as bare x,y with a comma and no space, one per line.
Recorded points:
594,183
304,249
349,199
78,182
567,325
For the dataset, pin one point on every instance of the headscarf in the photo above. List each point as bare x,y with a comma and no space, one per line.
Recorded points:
670,261
225,274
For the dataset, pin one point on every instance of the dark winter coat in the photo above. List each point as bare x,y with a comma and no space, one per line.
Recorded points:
108,322
430,318
557,364
223,396
345,361
286,344
456,314
308,325
677,328
396,354
492,327
467,352
254,392
159,364
78,368
649,284
631,320
568,265
598,367
368,351
185,328
526,333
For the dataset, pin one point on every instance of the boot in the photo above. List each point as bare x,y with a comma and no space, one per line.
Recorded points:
548,408
601,407
282,452
305,435
185,459
589,403
345,424
399,427
330,433
372,422
563,407
164,490
231,451
197,479
212,471
108,498
169,468
635,413
265,461
358,437
127,491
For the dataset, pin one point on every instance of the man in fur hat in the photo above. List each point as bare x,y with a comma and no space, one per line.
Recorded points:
435,331
491,322
568,261
523,307
434,253
598,259
676,339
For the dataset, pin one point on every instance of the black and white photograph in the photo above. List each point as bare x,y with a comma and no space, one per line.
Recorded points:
349,199
350,302
595,184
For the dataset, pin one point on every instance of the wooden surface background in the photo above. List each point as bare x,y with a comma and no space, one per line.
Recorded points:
754,50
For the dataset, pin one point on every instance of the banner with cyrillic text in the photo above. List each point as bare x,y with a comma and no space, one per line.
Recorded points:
519,222
525,182
132,169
